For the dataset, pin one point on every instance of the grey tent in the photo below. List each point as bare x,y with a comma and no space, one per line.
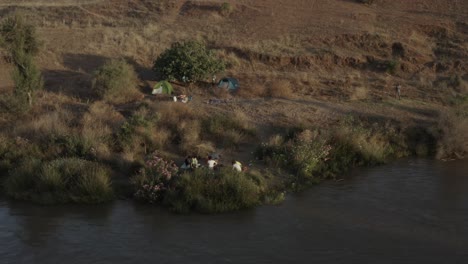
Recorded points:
230,84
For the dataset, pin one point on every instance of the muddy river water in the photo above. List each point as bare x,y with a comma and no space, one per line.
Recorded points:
412,211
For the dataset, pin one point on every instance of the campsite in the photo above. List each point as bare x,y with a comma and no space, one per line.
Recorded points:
133,88
233,131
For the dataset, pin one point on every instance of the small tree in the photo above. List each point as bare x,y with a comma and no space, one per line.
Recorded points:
190,59
27,78
18,37
20,40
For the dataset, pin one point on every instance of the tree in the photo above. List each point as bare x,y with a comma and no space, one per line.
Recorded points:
190,59
20,40
18,37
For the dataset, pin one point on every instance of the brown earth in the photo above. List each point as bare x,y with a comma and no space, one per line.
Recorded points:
335,54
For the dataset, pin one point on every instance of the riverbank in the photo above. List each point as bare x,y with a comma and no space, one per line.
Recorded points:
300,157
81,124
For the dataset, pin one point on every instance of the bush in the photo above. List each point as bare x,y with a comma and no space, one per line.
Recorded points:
305,155
190,59
12,151
59,181
115,82
204,191
312,156
151,181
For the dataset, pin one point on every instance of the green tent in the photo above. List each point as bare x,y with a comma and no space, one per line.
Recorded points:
162,87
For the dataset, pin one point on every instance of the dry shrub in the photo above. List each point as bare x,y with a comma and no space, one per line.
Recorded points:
453,141
189,133
98,126
116,82
55,123
252,91
160,137
242,121
202,149
280,89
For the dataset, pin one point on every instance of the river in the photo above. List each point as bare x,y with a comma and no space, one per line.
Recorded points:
412,211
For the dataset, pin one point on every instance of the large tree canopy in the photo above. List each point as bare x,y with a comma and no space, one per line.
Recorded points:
190,59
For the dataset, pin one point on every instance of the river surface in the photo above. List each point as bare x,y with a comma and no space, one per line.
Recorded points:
413,211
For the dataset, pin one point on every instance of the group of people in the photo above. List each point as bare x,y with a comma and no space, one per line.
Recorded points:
212,163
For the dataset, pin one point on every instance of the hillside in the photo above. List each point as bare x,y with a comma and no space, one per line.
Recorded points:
307,64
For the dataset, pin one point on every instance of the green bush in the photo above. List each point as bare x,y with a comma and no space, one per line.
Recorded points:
191,59
115,81
59,181
208,192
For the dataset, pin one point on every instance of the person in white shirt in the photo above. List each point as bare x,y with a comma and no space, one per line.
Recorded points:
236,165
211,163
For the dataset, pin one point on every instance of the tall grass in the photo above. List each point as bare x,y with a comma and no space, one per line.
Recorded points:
67,180
208,192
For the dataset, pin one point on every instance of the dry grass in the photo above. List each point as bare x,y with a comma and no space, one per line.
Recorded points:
56,123
172,114
359,93
280,89
252,91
